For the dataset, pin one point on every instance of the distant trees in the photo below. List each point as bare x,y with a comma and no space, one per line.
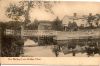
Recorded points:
57,24
81,26
33,26
93,19
15,25
90,19
2,27
97,19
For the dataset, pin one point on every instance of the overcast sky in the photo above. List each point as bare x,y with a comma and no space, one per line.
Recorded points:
60,9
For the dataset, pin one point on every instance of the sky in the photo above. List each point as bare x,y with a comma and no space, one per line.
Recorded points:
60,9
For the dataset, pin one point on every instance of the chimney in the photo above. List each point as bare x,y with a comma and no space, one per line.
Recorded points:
90,14
75,14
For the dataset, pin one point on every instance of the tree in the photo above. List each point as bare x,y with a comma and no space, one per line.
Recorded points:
90,19
33,26
72,26
15,25
57,24
36,24
69,25
97,19
15,11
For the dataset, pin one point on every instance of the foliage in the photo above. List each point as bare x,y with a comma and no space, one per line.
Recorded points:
33,26
57,24
15,11
97,19
93,18
72,26
15,25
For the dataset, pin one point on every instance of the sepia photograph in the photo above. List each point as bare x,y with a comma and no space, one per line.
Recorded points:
31,28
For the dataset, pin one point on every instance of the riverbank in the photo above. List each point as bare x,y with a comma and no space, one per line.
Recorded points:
46,51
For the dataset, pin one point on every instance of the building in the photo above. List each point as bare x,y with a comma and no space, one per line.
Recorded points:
45,25
45,32
79,20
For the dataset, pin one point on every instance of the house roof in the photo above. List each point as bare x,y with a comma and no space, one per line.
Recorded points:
77,17
45,21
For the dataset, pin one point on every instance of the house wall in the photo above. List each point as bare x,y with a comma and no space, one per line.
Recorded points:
44,26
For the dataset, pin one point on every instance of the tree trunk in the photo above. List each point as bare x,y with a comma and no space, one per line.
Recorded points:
27,20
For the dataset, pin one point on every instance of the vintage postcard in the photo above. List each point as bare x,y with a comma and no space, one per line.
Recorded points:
49,32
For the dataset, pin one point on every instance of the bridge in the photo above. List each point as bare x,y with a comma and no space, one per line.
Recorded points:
51,35
27,33
40,36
